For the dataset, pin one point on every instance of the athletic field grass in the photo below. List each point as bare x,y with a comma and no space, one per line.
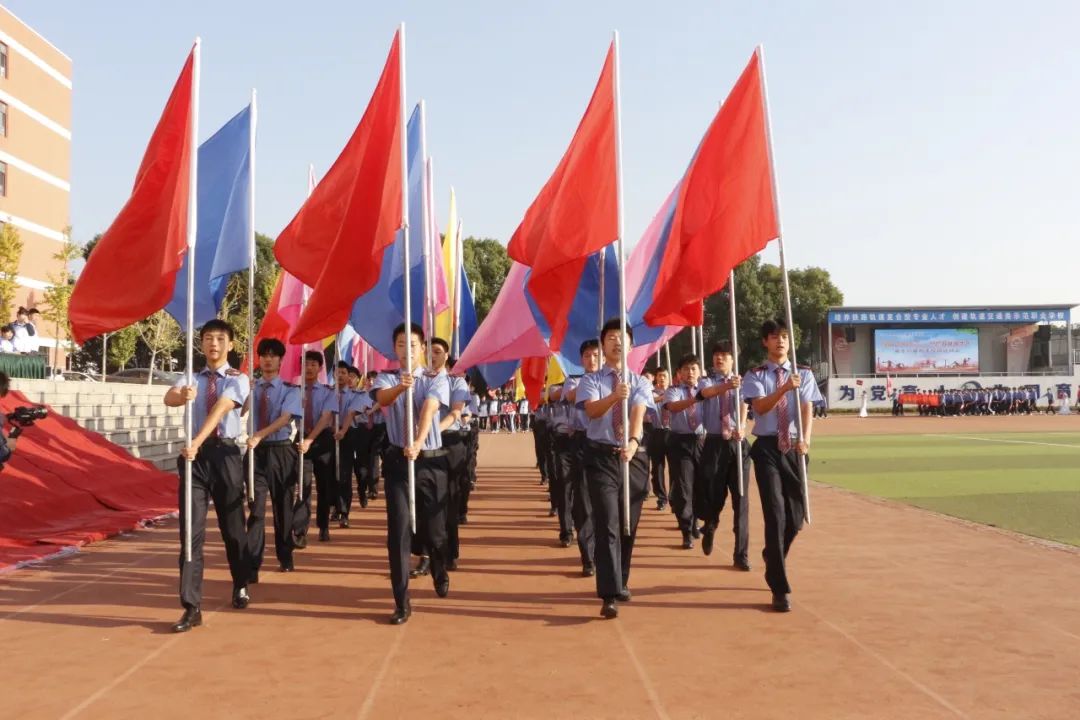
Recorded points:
1026,482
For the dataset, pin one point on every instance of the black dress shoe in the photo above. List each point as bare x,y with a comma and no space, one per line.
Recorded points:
192,617
371,496
741,564
625,595
334,515
253,578
463,520
421,568
566,540
780,602
401,615
588,570
287,567
442,587
452,564
696,532
687,541
363,501
552,512
300,541
661,505
707,540
240,598
609,609
324,534
343,522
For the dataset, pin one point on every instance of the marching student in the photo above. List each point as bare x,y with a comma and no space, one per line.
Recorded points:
719,473
455,439
684,445
771,391
571,464
343,413
317,450
378,440
602,395
362,431
217,469
276,405
423,445
656,437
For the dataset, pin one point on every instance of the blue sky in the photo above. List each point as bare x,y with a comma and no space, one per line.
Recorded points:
927,152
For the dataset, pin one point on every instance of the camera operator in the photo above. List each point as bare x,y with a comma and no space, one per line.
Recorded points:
7,441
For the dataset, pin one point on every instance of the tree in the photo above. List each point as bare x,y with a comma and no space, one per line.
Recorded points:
58,295
161,335
234,308
121,346
487,266
11,247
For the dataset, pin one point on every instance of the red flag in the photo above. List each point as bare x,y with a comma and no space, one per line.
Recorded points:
725,212
533,374
132,270
576,213
335,243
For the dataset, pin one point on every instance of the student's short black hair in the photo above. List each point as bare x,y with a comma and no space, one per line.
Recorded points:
271,346
688,360
416,330
723,346
314,356
450,363
354,371
590,344
438,341
7,328
661,370
372,374
774,327
342,365
22,311
5,384
615,325
216,325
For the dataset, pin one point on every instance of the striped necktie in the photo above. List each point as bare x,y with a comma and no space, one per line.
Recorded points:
212,396
783,415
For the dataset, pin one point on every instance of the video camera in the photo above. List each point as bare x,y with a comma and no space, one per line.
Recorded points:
24,416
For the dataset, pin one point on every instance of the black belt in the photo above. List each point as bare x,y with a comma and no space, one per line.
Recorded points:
436,453
219,442
607,449
275,443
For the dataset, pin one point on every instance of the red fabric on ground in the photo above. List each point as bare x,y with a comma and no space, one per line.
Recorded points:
66,486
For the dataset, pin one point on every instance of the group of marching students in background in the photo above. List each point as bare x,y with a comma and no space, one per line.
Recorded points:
998,400
693,425
500,412
324,436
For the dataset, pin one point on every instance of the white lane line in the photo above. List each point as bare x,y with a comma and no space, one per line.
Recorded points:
884,661
369,700
650,689
105,689
999,440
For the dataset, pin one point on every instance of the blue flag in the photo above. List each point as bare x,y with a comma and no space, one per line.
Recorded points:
223,235
376,313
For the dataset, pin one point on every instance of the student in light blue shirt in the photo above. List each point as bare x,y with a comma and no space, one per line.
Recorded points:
217,469
422,445
775,391
616,413
684,445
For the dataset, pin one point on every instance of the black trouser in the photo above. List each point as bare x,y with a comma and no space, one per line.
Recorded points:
216,474
614,550
431,500
457,471
346,464
581,504
379,443
362,437
656,440
474,450
318,461
719,475
684,454
567,468
540,433
782,507
275,473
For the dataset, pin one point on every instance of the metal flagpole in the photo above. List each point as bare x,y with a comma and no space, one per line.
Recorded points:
431,243
667,357
787,284
337,415
693,340
251,296
104,356
701,341
302,381
738,392
602,257
622,286
408,284
192,228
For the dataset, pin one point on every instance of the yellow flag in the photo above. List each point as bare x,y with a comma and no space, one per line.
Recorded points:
444,320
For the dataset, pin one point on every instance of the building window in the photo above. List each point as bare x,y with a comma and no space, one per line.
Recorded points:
3,119
3,60
3,179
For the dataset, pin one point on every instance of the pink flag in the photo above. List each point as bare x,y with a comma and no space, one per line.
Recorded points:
509,331
280,319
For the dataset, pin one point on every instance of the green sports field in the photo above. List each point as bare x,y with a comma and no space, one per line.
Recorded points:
1026,482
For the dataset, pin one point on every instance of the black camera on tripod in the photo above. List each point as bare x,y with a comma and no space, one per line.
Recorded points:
24,416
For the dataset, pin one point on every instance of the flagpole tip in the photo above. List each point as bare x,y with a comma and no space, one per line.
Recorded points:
198,41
